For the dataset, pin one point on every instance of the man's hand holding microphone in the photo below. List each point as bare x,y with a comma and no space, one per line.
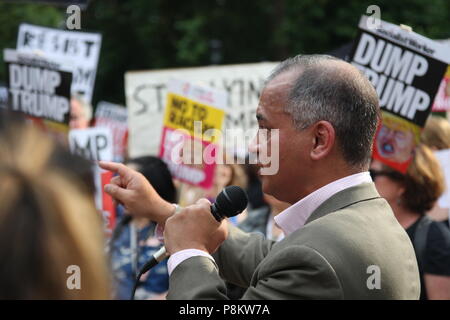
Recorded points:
193,227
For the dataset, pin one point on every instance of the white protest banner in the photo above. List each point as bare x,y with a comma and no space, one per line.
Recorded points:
406,70
114,117
82,49
146,92
96,144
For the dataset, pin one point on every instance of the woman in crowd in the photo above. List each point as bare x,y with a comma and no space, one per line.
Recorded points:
51,238
134,242
436,135
411,195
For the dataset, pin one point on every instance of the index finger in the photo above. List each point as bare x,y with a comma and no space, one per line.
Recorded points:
116,167
203,202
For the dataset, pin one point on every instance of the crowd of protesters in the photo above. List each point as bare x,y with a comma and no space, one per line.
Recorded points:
48,220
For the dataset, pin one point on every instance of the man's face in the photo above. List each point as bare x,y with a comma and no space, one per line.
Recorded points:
292,143
77,118
395,144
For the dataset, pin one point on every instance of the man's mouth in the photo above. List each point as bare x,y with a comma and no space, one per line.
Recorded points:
387,148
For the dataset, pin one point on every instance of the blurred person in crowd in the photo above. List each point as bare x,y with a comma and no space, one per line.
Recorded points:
254,187
227,174
49,227
410,196
133,243
262,220
337,228
436,135
80,112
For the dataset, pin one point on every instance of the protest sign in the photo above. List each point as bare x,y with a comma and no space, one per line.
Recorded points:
114,117
193,116
82,49
406,70
96,144
146,91
40,89
442,100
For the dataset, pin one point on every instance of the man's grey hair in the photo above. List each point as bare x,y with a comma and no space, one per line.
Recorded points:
330,89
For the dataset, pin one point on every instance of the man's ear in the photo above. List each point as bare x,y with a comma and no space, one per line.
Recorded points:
401,190
324,137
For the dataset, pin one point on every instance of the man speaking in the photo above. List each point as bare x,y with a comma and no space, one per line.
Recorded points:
342,240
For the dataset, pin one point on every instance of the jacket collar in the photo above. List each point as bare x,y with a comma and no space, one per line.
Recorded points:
345,198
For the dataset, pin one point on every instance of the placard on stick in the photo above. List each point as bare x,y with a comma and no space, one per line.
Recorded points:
82,49
193,120
96,144
39,88
406,70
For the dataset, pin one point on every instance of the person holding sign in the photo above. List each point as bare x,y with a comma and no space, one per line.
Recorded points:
80,112
342,240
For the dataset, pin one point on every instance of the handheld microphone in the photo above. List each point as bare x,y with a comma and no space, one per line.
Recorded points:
230,202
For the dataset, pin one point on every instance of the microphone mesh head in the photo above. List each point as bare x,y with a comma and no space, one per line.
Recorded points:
231,201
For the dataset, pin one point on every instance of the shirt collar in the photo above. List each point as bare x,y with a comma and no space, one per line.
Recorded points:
294,217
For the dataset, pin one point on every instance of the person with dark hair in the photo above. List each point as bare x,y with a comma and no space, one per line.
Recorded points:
342,240
254,189
410,196
133,242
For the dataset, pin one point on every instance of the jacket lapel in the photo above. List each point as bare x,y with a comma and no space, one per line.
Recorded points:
345,198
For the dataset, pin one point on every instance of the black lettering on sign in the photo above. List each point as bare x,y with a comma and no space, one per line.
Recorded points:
406,81
83,76
199,112
100,144
179,104
88,45
137,96
91,147
84,151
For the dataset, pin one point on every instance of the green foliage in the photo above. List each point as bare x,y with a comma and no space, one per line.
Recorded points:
12,15
155,34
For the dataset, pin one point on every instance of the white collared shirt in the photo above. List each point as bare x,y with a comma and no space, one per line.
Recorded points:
291,219
294,217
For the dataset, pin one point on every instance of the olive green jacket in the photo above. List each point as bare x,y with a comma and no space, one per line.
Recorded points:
351,247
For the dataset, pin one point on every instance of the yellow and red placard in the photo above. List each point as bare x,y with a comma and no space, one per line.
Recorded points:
193,121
